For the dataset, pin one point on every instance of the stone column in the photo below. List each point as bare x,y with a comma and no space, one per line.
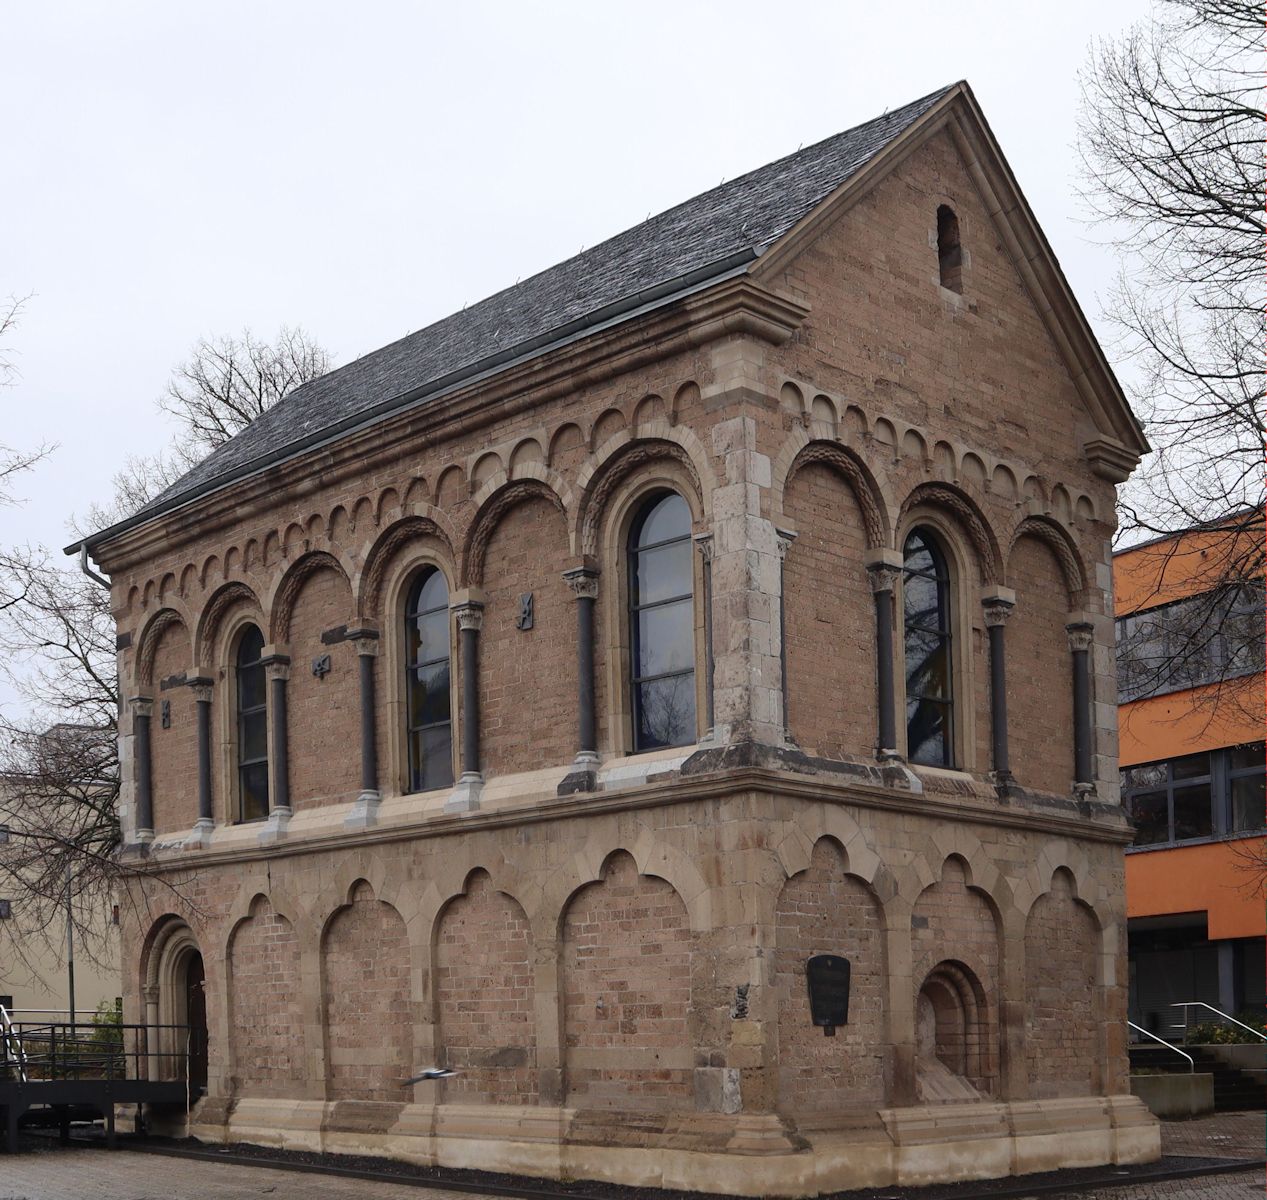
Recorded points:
884,569
201,686
277,671
143,814
998,604
1080,637
469,613
583,581
153,1050
704,544
785,539
365,811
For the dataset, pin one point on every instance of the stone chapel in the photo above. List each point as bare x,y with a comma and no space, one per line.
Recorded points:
541,695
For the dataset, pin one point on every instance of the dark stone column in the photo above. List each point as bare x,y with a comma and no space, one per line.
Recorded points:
884,568
201,686
277,669
583,581
470,619
143,814
1081,636
785,539
704,544
365,811
997,610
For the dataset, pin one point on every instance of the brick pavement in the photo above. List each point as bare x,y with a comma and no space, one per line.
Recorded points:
1221,1135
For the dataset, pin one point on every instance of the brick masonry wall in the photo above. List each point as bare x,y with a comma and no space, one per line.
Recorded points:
1040,682
485,992
627,993
267,1031
369,1025
824,911
528,677
829,618
1060,994
325,765
174,750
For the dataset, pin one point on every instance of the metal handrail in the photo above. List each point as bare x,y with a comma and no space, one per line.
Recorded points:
13,1047
1192,1065
1187,1004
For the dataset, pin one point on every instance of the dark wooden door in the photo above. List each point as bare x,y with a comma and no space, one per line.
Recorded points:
196,1001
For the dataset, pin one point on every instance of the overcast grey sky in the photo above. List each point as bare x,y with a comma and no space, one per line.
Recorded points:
173,170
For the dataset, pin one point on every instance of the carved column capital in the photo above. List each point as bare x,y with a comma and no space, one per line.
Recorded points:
783,540
365,646
704,544
583,581
202,689
1081,635
470,616
883,577
142,706
997,612
277,667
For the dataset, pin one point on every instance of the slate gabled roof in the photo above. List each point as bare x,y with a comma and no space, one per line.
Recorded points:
722,228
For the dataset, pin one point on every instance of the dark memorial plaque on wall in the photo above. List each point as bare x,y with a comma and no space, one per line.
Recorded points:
828,979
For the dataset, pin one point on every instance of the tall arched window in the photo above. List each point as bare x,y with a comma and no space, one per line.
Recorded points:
429,720
252,699
926,627
662,624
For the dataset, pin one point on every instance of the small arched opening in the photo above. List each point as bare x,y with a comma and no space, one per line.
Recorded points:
949,251
953,1036
176,1009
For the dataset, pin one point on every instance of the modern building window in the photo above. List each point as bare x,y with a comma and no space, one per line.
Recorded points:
662,624
1197,797
6,910
429,717
949,251
1199,640
926,625
252,722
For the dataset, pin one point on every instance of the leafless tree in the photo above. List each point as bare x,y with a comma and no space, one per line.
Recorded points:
12,462
229,381
1171,136
59,765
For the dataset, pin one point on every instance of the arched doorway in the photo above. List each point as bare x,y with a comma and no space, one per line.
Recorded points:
176,1007
954,1036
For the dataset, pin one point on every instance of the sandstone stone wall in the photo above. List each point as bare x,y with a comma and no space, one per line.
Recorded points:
174,743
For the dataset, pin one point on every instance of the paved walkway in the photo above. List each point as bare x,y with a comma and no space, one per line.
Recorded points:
1223,1135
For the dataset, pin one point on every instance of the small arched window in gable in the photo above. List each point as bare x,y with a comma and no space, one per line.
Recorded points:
662,624
429,731
949,251
252,726
926,627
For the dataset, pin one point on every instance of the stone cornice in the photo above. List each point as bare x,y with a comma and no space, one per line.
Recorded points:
660,794
732,307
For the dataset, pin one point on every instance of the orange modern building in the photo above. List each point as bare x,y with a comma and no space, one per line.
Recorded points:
1191,692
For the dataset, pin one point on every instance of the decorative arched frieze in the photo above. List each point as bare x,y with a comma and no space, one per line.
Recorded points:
431,524
147,645
1060,541
801,451
222,601
620,457
813,824
957,502
492,508
283,599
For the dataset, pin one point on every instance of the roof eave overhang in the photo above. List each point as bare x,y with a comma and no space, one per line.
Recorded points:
727,303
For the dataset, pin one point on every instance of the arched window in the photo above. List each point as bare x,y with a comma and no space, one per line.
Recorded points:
926,626
429,721
662,624
949,251
252,701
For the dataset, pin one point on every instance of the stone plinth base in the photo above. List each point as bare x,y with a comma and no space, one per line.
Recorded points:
748,1155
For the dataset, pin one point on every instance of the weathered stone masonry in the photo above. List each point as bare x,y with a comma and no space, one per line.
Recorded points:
608,941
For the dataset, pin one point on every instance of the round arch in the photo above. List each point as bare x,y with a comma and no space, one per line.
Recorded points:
496,506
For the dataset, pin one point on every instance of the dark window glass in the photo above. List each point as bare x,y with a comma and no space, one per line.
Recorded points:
926,633
6,910
1247,757
1151,817
429,714
662,624
1193,815
1249,796
252,698
1191,766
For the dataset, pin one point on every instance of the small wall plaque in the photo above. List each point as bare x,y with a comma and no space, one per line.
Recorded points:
828,979
165,714
524,620
321,666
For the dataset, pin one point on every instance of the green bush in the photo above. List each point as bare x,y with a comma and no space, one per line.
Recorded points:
1219,1033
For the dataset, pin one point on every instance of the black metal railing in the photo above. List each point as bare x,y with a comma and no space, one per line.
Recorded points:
45,1050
